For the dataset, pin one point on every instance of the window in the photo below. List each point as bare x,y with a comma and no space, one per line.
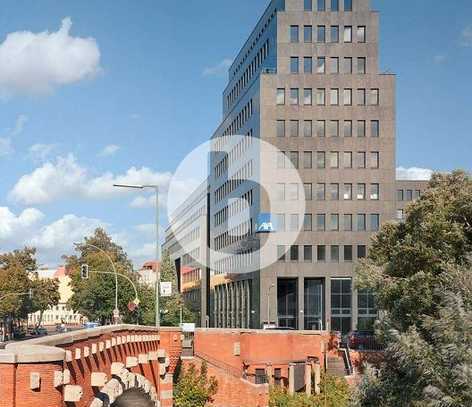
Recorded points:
375,128
417,194
320,97
334,254
307,222
294,253
294,96
347,97
320,160
334,97
280,128
308,191
361,128
399,194
361,65
294,65
335,33
308,64
347,193
334,192
308,253
367,309
360,192
374,222
361,161
294,34
361,96
307,97
334,159
307,128
334,5
347,68
347,159
321,5
280,192
321,222
361,227
292,192
280,222
347,253
375,97
321,33
280,160
347,5
293,128
281,253
334,128
361,252
307,160
334,222
294,222
347,128
308,33
374,192
361,34
320,128
409,195
321,65
347,223
281,96
320,192
374,159
294,158
308,5
400,214
347,33
334,65
321,253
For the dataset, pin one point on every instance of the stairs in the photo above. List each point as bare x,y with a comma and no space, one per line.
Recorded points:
336,366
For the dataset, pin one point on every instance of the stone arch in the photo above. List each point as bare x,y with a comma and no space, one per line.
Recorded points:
121,381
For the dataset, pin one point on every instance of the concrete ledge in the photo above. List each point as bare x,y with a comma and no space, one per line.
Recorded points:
16,353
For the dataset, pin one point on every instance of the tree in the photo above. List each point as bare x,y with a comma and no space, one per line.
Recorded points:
421,273
194,389
45,295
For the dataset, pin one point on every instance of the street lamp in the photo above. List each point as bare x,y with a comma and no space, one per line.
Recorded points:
158,270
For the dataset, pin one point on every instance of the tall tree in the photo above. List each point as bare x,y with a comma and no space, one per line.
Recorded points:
45,295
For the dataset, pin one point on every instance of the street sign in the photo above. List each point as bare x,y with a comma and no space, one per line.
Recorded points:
166,289
187,327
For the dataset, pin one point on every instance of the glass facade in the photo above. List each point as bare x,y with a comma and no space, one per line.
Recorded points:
287,303
341,305
314,304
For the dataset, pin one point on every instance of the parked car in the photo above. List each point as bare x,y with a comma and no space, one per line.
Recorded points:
362,340
90,325
40,331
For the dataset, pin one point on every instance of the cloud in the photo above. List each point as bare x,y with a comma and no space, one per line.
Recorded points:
6,144
414,174
67,179
219,69
439,59
21,120
466,36
37,63
13,226
6,147
109,150
41,152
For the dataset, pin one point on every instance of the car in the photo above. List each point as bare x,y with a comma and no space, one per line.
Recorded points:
40,331
362,340
90,325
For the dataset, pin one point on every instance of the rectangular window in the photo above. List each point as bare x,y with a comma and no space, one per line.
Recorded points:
334,65
374,222
334,128
347,192
308,64
374,192
347,5
347,65
320,159
409,194
320,97
321,33
347,97
347,253
375,97
321,253
361,34
294,33
308,253
374,159
281,96
280,189
321,128
294,65
294,222
334,5
308,33
374,128
334,222
347,128
361,252
334,159
366,304
321,5
335,33
307,222
280,128
280,222
307,160
308,191
294,158
334,254
361,227
287,304
347,223
361,128
294,253
321,65
292,192
417,194
361,65
307,97
280,160
307,128
360,192
399,194
347,159
308,5
294,96
361,160
361,96
347,34
320,192
334,192
321,222
281,252
293,128
334,97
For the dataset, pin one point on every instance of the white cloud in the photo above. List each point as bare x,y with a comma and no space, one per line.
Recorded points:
466,36
37,63
21,120
6,144
439,59
219,69
13,226
109,150
41,152
6,147
414,174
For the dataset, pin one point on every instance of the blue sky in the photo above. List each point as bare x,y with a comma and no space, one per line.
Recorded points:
138,85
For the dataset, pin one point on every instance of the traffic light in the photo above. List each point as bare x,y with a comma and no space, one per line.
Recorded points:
84,271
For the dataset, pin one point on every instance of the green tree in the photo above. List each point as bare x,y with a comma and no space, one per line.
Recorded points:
45,295
194,388
421,273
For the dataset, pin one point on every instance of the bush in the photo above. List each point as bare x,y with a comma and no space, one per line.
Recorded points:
194,389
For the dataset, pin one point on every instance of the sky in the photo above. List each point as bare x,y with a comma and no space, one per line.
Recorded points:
93,93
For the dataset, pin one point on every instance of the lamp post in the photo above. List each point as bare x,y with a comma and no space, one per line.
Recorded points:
158,271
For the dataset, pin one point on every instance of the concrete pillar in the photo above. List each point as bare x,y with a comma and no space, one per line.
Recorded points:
308,378
317,369
291,378
270,375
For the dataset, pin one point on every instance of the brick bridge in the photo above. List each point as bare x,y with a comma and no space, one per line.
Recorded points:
128,365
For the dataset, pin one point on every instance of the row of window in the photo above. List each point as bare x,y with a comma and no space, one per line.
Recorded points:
193,275
243,174
333,128
334,65
321,253
234,154
321,5
334,30
336,97
408,195
237,206
231,262
291,159
191,257
235,234
191,236
291,192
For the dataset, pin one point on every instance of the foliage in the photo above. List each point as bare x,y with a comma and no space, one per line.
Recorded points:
194,389
45,295
421,272
335,392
